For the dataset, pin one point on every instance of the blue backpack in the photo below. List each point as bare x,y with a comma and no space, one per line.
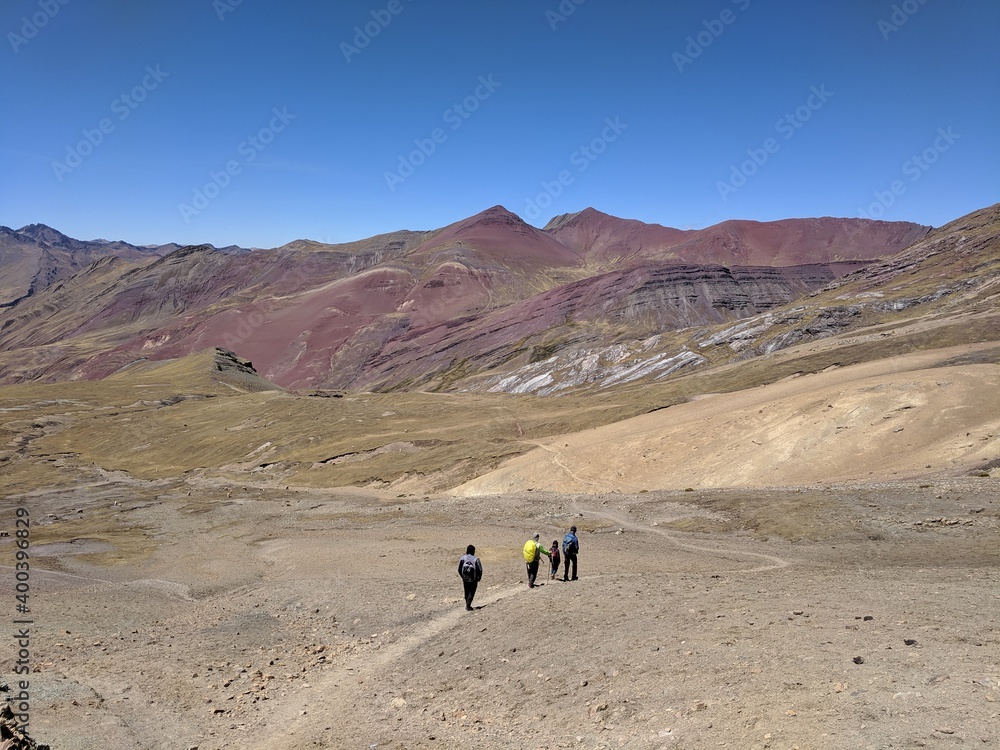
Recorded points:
571,545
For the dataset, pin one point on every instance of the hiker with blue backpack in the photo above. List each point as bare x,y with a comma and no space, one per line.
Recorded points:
570,546
471,572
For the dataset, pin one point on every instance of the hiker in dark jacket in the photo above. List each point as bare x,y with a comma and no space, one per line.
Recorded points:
470,570
571,546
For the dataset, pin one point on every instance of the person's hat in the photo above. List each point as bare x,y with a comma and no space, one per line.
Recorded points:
535,537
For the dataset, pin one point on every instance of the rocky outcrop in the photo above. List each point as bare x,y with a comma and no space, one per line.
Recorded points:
12,736
238,372
599,367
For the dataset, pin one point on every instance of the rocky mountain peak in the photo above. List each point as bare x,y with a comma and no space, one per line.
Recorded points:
46,234
497,216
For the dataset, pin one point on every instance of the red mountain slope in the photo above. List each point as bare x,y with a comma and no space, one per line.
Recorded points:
791,242
403,307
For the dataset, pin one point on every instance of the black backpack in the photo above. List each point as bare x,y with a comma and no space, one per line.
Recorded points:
468,570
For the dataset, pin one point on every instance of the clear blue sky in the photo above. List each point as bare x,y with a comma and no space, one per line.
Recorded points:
339,120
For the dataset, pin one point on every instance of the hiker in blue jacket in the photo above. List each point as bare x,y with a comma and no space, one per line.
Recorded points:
570,546
470,570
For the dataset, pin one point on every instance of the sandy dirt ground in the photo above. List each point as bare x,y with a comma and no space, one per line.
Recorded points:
899,417
185,613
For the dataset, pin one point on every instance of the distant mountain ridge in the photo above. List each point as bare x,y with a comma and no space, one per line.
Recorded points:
361,314
790,242
53,238
36,256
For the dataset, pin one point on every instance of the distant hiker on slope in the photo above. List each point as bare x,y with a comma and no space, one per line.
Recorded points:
471,572
533,552
571,546
554,559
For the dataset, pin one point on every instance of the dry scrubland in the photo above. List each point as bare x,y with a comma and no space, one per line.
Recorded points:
195,581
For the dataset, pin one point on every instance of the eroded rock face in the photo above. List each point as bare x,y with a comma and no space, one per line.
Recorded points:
12,736
401,309
951,271
599,367
642,301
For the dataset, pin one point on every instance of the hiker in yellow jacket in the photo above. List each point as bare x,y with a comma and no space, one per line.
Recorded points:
533,552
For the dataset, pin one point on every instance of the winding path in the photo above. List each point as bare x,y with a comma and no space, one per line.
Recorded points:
344,684
774,562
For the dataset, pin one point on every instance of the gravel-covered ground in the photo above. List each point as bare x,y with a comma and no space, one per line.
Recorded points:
187,613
